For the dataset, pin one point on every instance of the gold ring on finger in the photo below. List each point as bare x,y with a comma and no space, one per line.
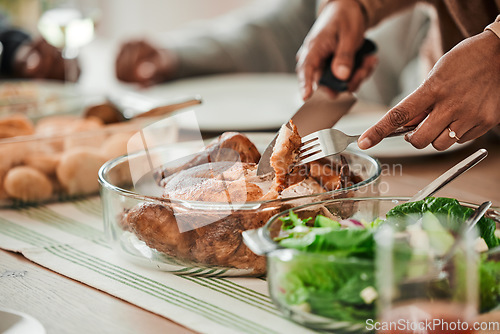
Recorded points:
453,134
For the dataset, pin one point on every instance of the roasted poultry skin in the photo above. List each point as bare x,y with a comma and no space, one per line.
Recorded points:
225,172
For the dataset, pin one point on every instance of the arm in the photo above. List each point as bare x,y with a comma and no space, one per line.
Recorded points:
377,10
262,38
457,102
266,40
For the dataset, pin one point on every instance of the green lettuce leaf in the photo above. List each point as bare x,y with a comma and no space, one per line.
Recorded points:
450,213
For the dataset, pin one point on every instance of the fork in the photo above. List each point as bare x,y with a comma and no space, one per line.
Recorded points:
324,143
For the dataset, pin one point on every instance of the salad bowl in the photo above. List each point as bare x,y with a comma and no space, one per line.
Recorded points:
336,288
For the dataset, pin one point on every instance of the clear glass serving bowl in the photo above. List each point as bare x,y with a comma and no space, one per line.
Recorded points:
298,281
60,159
195,237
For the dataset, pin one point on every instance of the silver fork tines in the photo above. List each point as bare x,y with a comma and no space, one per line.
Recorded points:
328,142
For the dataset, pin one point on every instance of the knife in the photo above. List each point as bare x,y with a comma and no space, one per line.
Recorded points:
321,111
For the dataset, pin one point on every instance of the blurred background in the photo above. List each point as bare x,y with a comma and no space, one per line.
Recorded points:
131,17
118,21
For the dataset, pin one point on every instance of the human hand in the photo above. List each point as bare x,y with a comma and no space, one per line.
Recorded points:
338,30
458,102
141,62
40,60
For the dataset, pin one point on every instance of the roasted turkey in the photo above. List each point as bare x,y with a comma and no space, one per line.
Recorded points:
225,172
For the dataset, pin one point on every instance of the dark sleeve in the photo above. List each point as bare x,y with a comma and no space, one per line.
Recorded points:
10,39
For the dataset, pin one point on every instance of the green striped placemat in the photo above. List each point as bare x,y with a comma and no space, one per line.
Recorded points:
68,238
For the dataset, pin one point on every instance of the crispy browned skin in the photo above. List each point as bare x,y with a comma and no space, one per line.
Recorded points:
230,146
211,239
214,237
156,225
225,182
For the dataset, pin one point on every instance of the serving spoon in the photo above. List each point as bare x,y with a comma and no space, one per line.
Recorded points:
467,226
450,175
130,106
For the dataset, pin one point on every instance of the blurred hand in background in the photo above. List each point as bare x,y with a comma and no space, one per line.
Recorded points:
23,57
39,60
141,62
262,37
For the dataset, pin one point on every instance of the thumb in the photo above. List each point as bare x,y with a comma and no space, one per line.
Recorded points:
406,110
32,63
344,57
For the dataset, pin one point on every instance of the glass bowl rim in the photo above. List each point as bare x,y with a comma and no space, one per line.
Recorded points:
330,257
104,170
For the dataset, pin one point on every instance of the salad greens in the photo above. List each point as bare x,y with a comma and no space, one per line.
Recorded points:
489,284
343,286
449,212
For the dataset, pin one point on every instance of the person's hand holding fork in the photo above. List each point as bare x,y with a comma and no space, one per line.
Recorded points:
459,101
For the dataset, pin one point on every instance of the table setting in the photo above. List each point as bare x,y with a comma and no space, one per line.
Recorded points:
225,204
70,238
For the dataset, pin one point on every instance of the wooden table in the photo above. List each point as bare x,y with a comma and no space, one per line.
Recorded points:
481,183
63,305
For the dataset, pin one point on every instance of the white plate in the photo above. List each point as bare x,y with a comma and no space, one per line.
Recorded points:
244,102
13,322
237,102
364,116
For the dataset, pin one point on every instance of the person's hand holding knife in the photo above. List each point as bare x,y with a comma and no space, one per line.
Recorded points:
339,31
458,102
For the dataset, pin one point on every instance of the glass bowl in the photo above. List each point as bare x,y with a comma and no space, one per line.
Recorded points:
40,98
196,237
60,157
319,290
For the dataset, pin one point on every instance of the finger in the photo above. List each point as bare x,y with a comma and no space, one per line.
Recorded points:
146,70
429,129
366,69
308,72
128,61
121,61
450,135
47,54
62,69
29,61
344,57
417,119
473,133
32,64
413,105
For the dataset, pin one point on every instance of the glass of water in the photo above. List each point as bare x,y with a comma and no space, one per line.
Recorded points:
427,277
68,25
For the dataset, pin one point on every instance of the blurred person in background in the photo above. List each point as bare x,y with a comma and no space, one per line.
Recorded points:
24,57
265,37
458,101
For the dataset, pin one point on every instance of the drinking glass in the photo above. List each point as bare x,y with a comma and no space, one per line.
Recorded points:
426,278
68,25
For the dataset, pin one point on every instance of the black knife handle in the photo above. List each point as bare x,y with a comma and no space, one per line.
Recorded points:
329,80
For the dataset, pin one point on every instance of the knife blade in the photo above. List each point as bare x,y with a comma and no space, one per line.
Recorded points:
321,111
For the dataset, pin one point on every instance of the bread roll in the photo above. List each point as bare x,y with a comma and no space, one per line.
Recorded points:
27,184
77,170
16,125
